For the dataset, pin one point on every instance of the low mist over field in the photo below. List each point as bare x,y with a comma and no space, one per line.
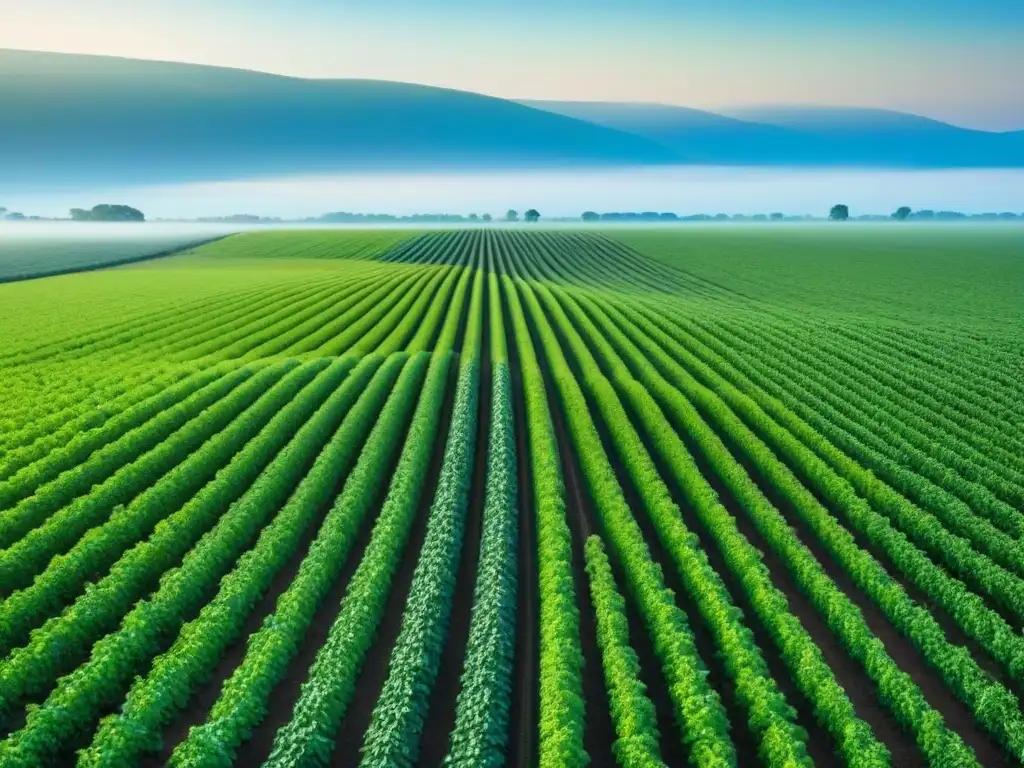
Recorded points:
682,189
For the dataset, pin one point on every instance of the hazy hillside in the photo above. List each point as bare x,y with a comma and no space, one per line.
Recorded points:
890,137
89,120
69,117
704,137
804,135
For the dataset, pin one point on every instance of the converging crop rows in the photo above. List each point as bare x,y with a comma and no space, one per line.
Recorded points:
492,497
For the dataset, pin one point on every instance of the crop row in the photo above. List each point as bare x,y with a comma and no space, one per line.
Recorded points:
308,737
896,689
392,738
92,404
803,445
244,697
901,434
42,526
560,730
636,725
799,651
75,451
995,707
170,682
64,640
878,449
755,687
75,705
699,712
480,734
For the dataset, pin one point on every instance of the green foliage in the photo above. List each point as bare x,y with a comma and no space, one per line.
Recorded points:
560,731
958,281
396,725
138,569
636,723
963,675
55,532
698,711
74,706
246,694
895,687
108,212
743,658
155,699
481,719
308,736
173,434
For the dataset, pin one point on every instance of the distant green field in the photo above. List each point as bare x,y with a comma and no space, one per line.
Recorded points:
319,244
518,496
957,275
25,252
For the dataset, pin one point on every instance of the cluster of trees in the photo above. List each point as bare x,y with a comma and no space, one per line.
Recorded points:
108,212
12,215
531,215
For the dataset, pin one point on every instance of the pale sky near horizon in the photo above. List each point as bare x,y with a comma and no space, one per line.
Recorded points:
955,60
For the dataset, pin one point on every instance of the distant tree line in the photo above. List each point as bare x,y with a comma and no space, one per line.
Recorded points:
653,216
240,218
928,215
905,213
840,212
344,217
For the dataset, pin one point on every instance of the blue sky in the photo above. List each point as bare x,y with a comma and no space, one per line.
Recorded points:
958,60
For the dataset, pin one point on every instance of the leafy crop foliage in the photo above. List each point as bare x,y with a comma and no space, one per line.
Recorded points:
516,496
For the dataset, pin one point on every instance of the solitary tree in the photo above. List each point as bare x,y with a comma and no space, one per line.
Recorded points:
591,216
532,215
512,215
902,213
486,217
839,213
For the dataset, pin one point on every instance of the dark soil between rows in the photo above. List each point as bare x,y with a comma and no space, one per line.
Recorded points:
523,718
673,750
435,739
599,731
206,695
957,716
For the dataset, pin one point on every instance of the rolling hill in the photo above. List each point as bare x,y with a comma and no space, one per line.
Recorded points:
704,137
102,119
780,135
87,120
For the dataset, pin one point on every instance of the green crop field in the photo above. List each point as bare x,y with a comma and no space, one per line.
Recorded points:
519,496
26,252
